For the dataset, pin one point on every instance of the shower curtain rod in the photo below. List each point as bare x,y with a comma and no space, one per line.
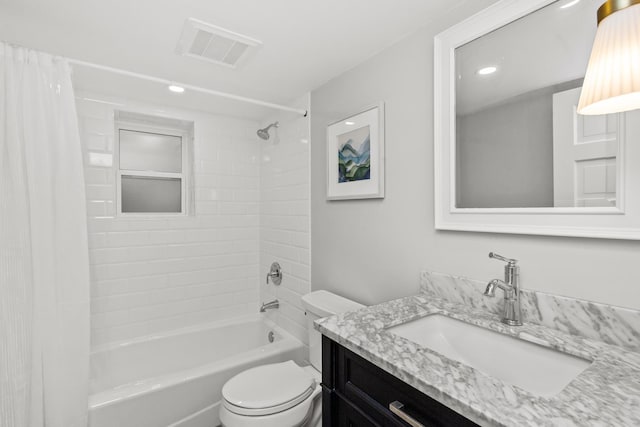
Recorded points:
188,87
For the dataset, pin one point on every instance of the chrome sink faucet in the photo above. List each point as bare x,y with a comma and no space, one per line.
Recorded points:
511,314
269,305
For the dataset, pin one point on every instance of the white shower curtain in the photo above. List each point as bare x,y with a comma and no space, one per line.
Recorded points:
44,265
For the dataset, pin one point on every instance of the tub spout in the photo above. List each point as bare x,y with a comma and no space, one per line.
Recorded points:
269,305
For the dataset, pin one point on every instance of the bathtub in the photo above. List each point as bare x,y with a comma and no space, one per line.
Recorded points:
175,379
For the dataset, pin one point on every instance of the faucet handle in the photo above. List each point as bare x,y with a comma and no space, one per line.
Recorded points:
275,273
512,262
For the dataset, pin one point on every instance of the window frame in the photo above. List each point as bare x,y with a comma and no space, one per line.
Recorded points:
184,136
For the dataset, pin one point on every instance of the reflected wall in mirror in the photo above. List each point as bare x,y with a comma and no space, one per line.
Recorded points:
511,153
519,141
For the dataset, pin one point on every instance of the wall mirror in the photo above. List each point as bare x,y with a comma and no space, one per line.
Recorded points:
511,153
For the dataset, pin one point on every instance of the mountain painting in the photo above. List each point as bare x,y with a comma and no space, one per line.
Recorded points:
354,159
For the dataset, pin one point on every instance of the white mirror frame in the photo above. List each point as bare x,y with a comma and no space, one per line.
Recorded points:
621,222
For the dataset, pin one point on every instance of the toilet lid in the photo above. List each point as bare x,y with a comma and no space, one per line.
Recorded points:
268,389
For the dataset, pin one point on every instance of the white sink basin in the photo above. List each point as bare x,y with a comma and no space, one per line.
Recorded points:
536,369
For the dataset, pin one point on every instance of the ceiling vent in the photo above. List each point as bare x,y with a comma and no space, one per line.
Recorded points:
214,44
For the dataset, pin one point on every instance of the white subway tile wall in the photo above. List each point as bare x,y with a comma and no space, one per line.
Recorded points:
285,218
151,274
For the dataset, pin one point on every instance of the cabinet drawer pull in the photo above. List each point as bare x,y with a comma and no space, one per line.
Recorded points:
396,408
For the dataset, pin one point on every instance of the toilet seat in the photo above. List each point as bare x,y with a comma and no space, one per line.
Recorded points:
268,389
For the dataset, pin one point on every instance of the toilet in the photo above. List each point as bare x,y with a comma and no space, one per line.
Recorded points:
284,394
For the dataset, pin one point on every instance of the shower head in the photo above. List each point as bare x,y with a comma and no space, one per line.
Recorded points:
264,133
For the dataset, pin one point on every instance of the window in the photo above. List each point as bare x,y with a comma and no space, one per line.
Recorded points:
152,165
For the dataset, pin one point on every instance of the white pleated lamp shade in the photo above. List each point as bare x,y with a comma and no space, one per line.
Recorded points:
612,81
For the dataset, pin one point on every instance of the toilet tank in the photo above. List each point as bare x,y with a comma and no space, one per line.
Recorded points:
319,304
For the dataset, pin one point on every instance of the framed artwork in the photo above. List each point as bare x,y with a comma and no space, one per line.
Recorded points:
355,156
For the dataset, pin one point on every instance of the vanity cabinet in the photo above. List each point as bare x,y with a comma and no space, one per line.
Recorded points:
357,393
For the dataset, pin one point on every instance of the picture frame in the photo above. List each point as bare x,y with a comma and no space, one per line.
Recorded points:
355,156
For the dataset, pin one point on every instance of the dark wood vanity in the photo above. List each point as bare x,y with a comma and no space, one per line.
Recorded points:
357,393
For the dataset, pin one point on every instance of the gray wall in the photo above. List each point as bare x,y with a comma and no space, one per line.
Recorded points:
505,154
373,250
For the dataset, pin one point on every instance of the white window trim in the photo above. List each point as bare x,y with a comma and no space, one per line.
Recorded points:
183,176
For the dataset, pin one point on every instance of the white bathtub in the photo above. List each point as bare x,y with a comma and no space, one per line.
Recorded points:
176,379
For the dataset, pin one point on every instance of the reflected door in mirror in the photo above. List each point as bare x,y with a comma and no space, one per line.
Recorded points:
585,154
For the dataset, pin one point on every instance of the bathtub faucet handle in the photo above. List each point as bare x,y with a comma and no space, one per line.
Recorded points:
275,273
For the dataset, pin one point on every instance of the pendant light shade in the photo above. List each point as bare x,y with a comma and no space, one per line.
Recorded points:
612,81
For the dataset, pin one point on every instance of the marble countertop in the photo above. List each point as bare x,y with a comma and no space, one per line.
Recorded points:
607,393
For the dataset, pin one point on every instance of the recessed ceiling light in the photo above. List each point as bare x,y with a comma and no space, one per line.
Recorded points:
487,70
571,3
176,89
349,123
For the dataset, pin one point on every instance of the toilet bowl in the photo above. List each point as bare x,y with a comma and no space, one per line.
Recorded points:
274,395
284,394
